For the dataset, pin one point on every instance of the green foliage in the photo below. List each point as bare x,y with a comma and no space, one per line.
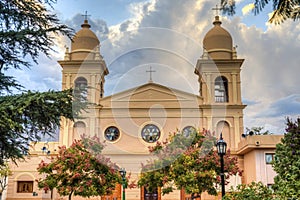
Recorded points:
4,173
186,162
258,130
282,9
7,83
27,28
26,117
287,162
252,191
80,170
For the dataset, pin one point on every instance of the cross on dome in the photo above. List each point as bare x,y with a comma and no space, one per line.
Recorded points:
86,15
217,9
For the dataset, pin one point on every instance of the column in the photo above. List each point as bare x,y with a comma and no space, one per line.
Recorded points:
209,89
237,133
209,123
234,88
93,88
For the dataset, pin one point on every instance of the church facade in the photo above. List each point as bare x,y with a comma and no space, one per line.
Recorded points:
132,120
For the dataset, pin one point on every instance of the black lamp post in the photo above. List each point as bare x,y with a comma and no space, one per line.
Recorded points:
221,147
123,175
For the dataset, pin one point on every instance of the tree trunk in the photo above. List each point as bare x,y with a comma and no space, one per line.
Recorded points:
70,195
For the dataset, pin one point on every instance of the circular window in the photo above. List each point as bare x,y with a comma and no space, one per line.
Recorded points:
112,133
150,133
186,131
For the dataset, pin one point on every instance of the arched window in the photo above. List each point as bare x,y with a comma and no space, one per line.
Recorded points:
79,130
221,89
80,89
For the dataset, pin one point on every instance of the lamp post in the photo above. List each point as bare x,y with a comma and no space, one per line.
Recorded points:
123,175
221,147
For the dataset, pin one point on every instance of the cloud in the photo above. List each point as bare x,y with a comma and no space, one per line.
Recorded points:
286,106
249,102
248,8
167,35
99,26
270,70
41,77
47,73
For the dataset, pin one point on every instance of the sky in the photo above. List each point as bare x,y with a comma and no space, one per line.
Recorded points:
167,35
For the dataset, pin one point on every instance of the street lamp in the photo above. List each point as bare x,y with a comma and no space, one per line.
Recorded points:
123,175
221,147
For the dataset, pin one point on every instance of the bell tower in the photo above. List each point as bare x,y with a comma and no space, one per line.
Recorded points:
218,72
83,69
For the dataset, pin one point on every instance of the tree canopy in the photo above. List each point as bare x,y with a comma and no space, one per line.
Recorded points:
80,170
287,162
257,131
186,162
28,29
282,9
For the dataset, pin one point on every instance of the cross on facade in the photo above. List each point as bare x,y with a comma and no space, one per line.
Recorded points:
217,9
86,15
150,71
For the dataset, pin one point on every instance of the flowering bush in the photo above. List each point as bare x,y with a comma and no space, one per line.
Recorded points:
80,170
186,162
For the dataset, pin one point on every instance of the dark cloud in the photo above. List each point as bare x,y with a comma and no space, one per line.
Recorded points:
99,26
287,106
124,26
168,35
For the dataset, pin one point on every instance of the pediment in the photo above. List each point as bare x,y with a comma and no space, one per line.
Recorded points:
150,93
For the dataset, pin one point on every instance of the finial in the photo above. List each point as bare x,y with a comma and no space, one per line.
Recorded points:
221,136
85,23
150,71
217,18
67,54
205,54
234,53
86,15
97,53
217,9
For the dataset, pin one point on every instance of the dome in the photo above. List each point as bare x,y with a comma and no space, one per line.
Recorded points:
218,42
84,42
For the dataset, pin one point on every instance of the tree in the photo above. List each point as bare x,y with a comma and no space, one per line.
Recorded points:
27,28
26,117
282,9
257,131
80,170
287,162
4,173
252,191
186,162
